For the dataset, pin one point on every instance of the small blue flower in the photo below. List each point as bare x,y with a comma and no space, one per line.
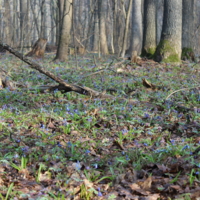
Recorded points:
87,151
124,131
185,147
146,115
172,141
69,144
58,144
100,194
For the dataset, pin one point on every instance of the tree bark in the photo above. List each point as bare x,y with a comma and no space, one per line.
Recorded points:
7,21
65,10
136,32
127,19
102,26
23,21
169,48
38,48
149,40
188,29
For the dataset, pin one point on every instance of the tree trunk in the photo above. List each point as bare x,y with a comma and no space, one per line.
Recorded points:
23,21
159,19
126,29
169,48
65,7
102,27
188,29
95,28
136,32
43,27
149,40
7,21
38,48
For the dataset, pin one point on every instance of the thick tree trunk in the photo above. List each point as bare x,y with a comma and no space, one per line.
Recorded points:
65,7
169,48
149,42
188,29
102,27
136,32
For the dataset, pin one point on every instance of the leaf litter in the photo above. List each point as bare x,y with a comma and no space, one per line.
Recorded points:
68,146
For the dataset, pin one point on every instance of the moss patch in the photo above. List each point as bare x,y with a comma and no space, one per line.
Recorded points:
187,54
166,53
149,52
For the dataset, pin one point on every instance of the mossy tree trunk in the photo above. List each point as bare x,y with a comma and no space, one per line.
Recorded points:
169,48
188,30
149,39
65,8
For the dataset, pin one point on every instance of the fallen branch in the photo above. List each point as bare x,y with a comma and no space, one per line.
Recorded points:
62,84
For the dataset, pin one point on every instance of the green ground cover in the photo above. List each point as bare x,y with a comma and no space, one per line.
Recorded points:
71,146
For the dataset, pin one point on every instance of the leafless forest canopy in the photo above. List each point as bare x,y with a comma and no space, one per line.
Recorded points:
22,22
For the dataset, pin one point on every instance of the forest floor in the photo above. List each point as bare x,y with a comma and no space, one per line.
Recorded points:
71,146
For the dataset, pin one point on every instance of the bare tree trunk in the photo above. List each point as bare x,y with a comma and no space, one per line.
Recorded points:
149,41
43,32
137,33
169,48
65,8
33,6
102,26
188,30
15,24
53,22
95,28
7,22
126,28
159,19
23,20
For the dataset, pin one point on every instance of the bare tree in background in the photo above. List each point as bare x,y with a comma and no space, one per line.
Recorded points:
7,24
102,5
169,48
188,29
149,43
65,10
127,19
136,32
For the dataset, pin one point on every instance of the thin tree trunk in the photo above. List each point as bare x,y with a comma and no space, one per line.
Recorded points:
188,29
126,28
7,21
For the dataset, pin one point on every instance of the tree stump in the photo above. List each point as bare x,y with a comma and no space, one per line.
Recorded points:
134,57
38,48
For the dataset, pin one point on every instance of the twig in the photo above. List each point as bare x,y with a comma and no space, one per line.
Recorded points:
181,90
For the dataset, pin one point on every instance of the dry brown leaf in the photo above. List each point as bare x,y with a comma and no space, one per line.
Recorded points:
87,183
146,185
